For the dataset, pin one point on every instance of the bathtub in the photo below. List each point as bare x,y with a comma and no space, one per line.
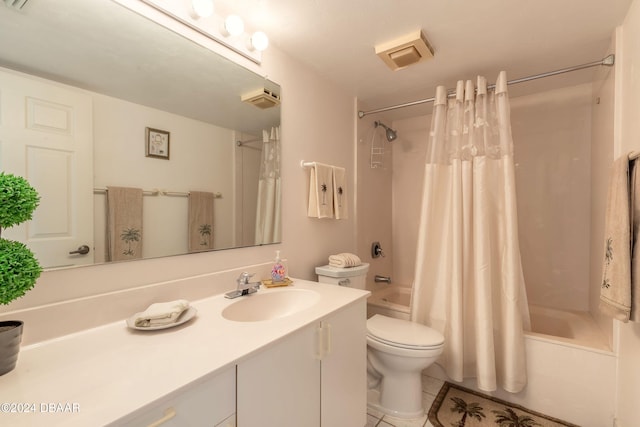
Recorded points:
392,301
570,366
569,327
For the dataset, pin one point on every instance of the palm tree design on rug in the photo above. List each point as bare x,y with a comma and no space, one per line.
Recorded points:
130,235
205,233
508,418
473,410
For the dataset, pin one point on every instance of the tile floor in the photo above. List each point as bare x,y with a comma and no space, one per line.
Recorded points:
430,388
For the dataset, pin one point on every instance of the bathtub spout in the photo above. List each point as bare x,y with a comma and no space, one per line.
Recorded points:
382,279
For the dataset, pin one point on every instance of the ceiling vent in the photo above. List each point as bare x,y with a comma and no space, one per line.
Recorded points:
16,4
262,98
405,51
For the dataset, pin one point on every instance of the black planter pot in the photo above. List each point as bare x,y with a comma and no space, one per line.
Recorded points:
10,337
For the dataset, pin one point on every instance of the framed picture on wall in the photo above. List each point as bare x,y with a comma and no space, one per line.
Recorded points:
157,143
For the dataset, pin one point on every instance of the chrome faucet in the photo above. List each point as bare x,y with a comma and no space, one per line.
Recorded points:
382,279
244,286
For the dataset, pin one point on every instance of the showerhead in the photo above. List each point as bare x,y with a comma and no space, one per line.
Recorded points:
390,133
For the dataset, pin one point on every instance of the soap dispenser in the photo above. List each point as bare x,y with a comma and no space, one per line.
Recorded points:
277,272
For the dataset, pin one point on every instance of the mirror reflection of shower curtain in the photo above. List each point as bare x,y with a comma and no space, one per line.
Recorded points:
468,280
268,229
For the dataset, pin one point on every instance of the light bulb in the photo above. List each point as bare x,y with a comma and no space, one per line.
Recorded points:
259,41
233,25
202,8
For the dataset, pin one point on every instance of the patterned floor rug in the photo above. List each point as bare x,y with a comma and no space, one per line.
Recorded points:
456,406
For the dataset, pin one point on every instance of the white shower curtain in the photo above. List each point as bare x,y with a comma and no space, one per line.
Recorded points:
468,279
268,211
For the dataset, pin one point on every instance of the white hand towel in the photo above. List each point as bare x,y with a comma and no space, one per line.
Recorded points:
615,290
344,260
320,191
161,313
340,199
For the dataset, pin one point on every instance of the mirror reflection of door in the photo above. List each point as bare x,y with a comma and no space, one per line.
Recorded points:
46,136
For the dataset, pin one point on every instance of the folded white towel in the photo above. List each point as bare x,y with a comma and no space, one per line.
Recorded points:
320,191
340,199
161,313
344,260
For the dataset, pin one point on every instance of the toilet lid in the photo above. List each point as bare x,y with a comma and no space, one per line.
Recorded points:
403,332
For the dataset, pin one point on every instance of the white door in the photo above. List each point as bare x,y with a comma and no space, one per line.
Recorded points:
46,136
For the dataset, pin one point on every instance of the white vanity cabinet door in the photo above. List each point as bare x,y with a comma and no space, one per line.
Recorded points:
209,403
280,386
315,377
344,368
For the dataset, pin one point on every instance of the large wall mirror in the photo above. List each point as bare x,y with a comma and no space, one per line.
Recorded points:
94,96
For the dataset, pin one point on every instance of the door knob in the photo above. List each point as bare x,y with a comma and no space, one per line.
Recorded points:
82,250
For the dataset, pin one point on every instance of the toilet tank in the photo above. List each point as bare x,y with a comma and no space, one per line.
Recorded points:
353,277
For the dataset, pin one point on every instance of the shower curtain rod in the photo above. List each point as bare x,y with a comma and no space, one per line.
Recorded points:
609,61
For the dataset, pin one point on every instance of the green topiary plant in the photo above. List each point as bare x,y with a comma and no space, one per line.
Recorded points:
19,268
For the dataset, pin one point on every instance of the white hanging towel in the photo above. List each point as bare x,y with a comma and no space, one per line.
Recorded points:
340,200
615,290
320,191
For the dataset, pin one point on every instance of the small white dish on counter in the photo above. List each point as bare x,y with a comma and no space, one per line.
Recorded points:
187,315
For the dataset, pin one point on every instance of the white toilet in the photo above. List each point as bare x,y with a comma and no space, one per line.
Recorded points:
397,352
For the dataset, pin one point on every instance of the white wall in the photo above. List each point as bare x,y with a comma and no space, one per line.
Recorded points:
628,139
409,153
318,122
374,199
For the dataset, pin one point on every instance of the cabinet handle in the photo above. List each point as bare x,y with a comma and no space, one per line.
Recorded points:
327,338
319,335
168,414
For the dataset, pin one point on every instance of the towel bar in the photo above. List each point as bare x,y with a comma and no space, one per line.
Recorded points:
153,192
156,192
182,194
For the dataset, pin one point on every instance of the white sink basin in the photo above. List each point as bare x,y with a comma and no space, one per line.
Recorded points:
267,305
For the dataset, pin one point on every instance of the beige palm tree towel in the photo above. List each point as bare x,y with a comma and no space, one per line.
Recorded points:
200,221
615,290
124,223
320,191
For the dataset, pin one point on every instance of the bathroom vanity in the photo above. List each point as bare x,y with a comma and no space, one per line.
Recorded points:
297,362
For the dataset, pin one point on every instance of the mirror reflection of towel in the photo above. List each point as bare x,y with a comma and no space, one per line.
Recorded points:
200,221
320,191
124,223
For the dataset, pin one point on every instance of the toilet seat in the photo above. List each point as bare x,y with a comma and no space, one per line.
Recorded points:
403,334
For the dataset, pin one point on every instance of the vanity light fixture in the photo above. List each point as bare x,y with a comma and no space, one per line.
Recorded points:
199,16
233,26
259,41
202,8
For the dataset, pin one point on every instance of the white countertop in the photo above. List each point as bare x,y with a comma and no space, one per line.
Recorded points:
102,374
